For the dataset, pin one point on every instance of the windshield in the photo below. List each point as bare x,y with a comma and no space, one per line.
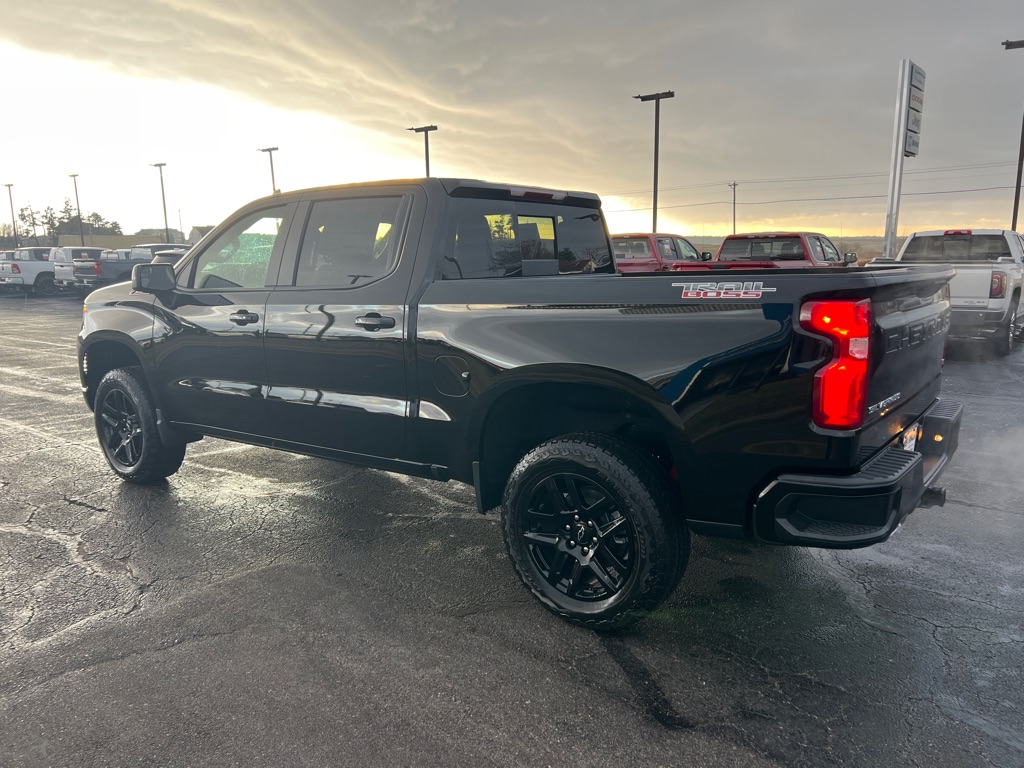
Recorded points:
946,248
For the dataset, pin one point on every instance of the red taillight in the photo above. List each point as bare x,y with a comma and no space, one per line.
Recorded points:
998,287
840,388
957,232
96,268
15,269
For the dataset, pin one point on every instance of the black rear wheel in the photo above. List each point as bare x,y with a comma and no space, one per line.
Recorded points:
44,286
126,427
591,528
1004,341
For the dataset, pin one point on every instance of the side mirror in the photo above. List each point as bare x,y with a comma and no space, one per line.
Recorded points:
152,278
706,256
850,258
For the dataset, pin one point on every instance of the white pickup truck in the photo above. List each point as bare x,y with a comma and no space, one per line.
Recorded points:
985,293
28,269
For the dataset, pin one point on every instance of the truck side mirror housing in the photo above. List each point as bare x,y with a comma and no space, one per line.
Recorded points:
850,258
706,256
152,278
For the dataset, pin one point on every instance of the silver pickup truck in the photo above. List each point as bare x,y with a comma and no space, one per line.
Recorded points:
985,293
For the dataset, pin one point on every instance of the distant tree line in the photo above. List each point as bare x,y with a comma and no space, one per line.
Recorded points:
63,222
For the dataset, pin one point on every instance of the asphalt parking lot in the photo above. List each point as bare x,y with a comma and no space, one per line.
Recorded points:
262,608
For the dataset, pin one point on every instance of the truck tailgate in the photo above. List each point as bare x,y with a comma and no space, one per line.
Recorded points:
970,286
911,322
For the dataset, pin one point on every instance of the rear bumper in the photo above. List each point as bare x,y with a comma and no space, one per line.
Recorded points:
976,323
865,508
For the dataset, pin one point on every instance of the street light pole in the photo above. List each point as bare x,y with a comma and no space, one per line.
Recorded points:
270,151
81,229
14,222
425,130
167,229
656,98
1007,45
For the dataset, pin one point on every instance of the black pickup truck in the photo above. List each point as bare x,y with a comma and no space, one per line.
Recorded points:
477,332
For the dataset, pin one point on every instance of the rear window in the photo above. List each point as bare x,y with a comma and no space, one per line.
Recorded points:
505,238
631,247
947,248
762,249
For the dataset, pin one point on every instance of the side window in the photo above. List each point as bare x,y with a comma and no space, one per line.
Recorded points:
816,250
831,252
240,257
350,242
687,251
667,248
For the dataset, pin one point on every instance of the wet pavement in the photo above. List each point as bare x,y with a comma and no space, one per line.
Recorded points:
262,608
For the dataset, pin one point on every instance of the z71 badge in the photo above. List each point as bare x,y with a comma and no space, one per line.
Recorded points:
723,290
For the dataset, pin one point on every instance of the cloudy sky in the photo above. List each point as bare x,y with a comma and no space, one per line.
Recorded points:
793,100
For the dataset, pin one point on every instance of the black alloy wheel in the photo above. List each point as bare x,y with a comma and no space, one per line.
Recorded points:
44,286
591,529
127,430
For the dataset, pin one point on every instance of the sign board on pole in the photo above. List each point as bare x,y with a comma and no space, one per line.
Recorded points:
906,141
916,76
913,121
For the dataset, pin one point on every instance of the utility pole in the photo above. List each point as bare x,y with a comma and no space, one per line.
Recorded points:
14,222
81,229
656,98
425,130
1007,45
270,152
734,185
167,229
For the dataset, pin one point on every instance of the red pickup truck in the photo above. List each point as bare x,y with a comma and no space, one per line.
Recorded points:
783,249
650,252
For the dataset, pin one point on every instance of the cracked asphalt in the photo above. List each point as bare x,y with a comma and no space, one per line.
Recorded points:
266,609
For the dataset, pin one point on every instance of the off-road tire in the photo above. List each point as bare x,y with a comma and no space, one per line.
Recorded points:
1004,340
44,286
592,529
126,426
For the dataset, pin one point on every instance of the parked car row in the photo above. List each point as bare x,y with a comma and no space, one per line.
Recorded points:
985,294
657,252
46,271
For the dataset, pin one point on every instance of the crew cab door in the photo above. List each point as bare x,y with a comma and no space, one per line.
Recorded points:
337,325
208,333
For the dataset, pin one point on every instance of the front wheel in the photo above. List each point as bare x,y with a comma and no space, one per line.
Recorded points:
591,529
127,430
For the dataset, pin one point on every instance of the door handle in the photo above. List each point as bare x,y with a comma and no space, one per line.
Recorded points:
373,321
244,317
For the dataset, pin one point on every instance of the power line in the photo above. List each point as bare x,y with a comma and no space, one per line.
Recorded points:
815,199
834,177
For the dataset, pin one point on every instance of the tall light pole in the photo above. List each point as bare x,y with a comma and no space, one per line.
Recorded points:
425,130
270,151
1007,45
656,98
81,229
167,229
14,222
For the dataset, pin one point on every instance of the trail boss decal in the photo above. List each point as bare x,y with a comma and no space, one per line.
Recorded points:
723,290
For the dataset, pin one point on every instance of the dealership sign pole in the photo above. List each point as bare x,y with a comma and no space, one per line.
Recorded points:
906,140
